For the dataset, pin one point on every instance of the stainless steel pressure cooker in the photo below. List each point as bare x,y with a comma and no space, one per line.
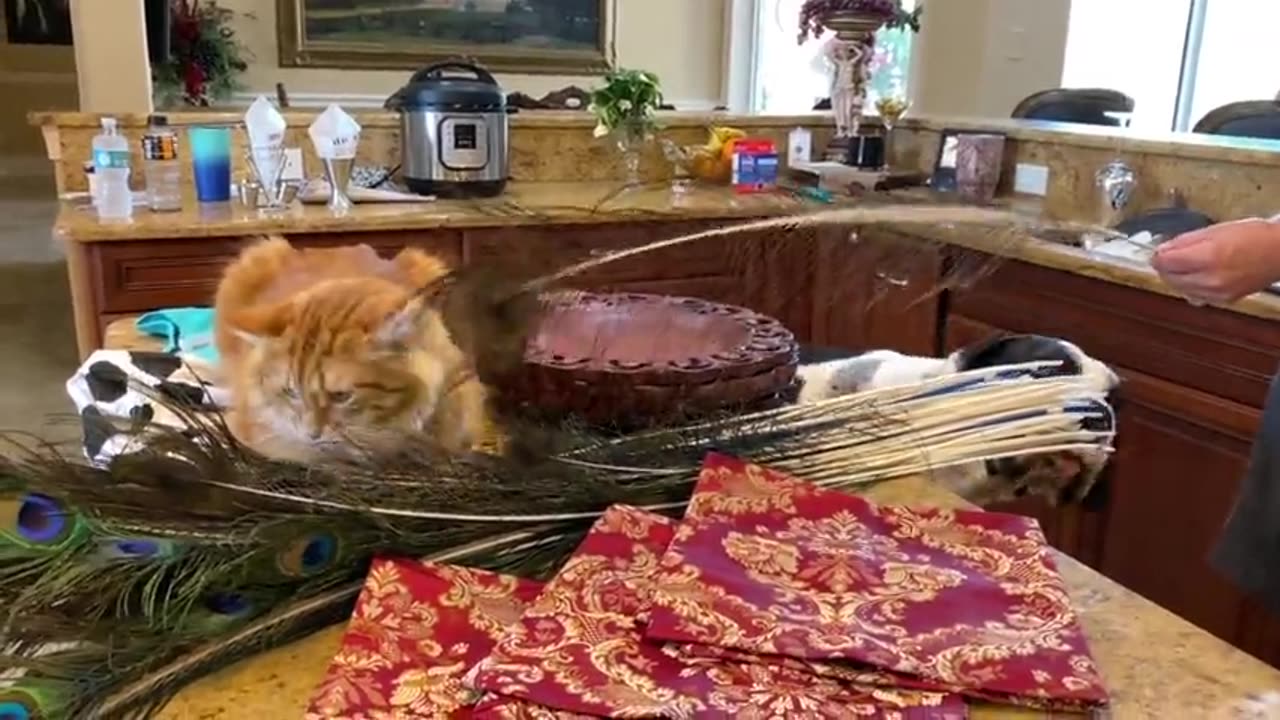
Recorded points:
453,131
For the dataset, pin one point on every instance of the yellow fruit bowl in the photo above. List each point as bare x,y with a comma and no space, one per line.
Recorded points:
711,162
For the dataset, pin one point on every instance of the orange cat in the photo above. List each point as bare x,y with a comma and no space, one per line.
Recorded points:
327,350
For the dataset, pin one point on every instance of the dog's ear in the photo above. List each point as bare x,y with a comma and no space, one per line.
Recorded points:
1012,349
973,356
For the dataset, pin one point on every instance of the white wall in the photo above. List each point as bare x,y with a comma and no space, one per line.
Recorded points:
980,57
681,40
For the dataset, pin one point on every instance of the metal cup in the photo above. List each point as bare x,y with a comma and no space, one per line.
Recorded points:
338,172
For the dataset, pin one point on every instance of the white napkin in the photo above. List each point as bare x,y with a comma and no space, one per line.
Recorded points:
265,124
335,134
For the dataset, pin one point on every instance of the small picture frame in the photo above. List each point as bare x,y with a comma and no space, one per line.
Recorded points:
944,167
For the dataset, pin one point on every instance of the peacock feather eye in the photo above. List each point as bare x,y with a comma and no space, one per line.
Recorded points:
228,603
310,554
37,521
137,548
19,703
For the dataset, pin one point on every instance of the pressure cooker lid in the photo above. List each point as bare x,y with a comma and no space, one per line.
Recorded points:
433,88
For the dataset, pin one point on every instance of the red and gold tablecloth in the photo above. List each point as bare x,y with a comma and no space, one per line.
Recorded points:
418,629
580,648
767,565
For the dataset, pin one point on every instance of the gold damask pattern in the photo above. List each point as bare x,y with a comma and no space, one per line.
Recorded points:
579,648
418,629
769,565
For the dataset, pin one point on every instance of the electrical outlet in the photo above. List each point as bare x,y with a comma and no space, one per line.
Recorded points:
1031,179
293,164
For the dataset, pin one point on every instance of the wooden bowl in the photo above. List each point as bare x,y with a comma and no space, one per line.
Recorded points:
628,360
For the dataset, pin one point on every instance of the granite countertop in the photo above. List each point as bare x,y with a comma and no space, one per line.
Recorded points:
586,202
526,203
1155,664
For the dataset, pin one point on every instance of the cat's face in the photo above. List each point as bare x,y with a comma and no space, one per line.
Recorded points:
338,367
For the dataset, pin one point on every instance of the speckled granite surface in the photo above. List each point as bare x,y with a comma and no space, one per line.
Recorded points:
595,202
1155,664
521,204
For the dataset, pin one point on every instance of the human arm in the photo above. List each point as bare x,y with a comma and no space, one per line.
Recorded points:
1222,263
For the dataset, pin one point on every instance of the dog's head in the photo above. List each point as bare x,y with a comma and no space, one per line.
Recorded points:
1061,477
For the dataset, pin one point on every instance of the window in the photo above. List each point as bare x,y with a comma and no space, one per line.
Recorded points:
1238,58
1178,59
789,78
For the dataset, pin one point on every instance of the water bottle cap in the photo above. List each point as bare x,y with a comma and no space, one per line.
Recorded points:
108,123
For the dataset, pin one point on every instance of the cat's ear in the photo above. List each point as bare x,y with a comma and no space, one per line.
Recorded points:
404,325
259,325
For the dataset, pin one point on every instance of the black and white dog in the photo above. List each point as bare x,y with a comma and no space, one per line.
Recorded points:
1060,477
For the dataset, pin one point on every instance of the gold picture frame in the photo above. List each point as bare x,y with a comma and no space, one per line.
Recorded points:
298,49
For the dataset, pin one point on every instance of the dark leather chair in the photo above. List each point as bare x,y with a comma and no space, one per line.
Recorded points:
1088,106
1251,118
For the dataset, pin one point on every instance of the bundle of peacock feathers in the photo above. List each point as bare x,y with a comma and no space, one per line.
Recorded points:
121,584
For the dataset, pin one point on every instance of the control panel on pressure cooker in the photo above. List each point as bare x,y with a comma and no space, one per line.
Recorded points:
464,143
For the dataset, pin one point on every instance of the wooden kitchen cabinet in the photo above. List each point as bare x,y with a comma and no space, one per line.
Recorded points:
1193,383
142,275
875,290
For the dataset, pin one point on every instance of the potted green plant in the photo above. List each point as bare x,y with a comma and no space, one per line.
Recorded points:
626,108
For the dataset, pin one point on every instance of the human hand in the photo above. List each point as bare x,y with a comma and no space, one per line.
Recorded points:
1221,263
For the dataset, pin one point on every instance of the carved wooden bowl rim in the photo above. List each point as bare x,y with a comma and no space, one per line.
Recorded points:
765,343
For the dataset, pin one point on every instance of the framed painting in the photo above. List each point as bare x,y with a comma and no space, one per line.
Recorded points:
37,22
521,36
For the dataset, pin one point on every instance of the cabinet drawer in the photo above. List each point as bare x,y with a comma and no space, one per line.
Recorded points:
544,248
138,276
1219,352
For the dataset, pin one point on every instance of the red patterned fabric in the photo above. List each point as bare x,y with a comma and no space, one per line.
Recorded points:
768,565
579,648
418,629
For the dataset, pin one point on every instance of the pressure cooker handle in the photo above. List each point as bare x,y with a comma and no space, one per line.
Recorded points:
434,71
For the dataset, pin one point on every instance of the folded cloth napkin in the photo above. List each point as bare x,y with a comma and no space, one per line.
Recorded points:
769,565
579,648
418,629
188,330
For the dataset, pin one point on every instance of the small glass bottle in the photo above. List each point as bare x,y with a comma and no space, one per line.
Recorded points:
160,162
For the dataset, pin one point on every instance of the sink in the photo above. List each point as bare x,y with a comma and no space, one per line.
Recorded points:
1070,238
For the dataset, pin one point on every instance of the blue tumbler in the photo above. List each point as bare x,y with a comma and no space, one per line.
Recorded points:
211,163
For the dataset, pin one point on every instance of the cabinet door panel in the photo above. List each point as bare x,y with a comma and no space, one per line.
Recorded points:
878,291
145,275
1180,456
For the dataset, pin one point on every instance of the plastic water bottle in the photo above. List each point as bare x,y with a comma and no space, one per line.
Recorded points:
160,164
111,165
